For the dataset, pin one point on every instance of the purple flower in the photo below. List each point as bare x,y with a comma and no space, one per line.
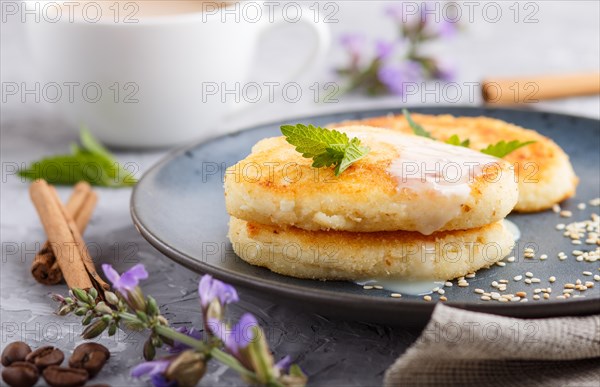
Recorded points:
353,43
394,77
445,71
284,364
384,49
210,289
191,332
446,28
156,370
127,281
240,336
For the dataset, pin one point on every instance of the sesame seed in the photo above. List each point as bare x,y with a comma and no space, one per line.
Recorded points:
594,202
441,291
576,242
578,282
561,297
515,299
567,291
535,280
536,297
577,252
581,206
538,290
546,296
579,259
529,274
396,295
485,298
495,284
448,284
463,284
511,259
569,286
427,298
560,226
378,287
527,280
597,277
479,291
587,273
503,300
552,279
589,284
528,250
443,298
495,296
556,208
518,277
566,214
543,256
435,289
501,264
521,294
470,275
503,281
368,287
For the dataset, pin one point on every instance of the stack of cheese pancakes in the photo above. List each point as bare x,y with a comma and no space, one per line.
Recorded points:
412,208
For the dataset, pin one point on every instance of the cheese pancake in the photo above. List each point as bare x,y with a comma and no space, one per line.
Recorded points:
340,255
544,171
404,183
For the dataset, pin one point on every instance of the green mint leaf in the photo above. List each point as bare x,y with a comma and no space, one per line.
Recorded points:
326,147
353,153
89,162
417,129
503,148
455,140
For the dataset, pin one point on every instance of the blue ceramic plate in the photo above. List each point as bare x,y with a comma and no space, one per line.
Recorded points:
179,207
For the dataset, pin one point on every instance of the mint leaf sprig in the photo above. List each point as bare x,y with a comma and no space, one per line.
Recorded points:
90,162
499,149
326,147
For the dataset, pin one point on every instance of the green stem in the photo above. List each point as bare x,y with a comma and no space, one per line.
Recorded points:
199,345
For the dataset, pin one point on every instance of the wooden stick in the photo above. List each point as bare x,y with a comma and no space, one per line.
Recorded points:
45,267
534,89
80,244
60,236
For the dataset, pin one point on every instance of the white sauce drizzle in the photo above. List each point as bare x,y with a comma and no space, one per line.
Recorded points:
439,172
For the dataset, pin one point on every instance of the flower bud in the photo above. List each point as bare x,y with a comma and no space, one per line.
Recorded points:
64,310
88,318
112,328
93,293
162,320
135,299
57,298
152,308
81,311
214,310
80,294
95,329
149,350
260,356
102,308
187,368
111,298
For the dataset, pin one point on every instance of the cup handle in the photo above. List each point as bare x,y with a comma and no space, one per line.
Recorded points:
321,42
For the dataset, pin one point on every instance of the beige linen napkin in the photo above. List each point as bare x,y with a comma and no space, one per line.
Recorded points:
476,349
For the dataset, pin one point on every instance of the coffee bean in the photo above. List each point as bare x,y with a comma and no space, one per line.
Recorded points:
89,356
20,374
57,376
13,352
45,356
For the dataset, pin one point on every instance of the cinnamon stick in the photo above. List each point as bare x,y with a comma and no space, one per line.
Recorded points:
60,235
537,88
84,253
80,205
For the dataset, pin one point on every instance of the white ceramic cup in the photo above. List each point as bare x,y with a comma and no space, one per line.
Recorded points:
153,74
